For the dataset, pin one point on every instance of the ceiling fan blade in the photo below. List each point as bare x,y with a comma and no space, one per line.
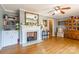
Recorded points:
50,11
53,14
62,12
65,8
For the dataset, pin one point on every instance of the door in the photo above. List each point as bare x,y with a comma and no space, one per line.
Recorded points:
50,27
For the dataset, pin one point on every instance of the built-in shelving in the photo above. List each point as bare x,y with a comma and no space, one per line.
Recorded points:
10,22
72,28
72,24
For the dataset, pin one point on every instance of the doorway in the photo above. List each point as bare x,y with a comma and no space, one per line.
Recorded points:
50,28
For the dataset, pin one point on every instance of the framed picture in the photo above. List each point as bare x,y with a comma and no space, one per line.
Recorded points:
31,18
45,23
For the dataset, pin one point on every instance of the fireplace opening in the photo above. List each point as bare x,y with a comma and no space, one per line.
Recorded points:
31,36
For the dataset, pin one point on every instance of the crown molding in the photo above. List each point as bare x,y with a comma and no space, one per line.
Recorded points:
7,9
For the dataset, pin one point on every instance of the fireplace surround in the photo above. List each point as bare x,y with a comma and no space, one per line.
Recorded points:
30,35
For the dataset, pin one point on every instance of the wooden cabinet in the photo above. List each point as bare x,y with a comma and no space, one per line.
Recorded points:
72,28
71,34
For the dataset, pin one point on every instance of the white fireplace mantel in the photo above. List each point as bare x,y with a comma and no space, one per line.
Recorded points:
23,34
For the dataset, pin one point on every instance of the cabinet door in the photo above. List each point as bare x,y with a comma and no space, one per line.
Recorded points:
9,38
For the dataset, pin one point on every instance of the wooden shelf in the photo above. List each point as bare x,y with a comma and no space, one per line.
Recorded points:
72,28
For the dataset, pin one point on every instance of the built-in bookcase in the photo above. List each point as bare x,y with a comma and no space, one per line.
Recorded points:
10,22
72,28
72,24
10,28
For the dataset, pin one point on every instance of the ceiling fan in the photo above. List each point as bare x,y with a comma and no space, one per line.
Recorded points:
59,9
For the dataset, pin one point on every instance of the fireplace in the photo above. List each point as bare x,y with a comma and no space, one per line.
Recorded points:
31,36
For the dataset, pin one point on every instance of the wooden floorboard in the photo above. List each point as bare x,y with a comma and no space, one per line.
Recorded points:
52,45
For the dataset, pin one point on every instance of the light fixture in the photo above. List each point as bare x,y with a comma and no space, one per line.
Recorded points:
58,11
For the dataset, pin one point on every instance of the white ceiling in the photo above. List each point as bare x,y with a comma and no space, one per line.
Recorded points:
44,8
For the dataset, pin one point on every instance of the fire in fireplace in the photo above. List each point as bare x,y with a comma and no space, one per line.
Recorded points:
31,36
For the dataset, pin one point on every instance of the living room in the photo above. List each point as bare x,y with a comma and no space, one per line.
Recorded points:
39,28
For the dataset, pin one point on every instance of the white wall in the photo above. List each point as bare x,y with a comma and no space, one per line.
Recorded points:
1,14
22,22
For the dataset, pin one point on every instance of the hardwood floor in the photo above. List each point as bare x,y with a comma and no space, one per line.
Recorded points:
50,46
